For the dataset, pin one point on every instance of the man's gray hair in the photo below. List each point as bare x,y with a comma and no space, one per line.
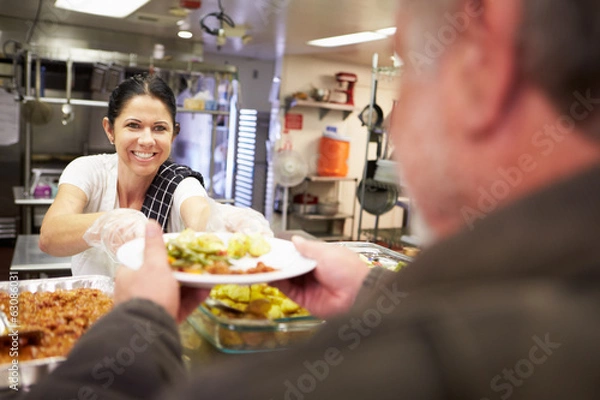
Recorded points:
558,45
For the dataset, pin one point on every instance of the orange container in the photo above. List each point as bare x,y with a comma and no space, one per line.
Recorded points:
333,156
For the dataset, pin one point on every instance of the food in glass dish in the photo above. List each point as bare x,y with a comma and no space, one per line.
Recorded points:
208,253
266,319
258,301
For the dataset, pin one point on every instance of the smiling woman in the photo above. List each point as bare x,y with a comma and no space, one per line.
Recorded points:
142,135
105,200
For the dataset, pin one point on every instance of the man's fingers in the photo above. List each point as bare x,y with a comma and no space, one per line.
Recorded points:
155,252
309,248
190,300
193,295
124,275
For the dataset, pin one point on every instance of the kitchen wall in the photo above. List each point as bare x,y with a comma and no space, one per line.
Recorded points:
301,73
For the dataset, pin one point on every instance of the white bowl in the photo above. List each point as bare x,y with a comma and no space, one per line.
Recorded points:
328,208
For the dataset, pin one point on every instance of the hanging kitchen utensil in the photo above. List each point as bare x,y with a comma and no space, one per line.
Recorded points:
377,119
37,112
67,108
379,197
98,77
387,124
114,76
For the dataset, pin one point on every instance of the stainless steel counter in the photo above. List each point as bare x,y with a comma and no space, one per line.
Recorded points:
24,200
28,257
28,203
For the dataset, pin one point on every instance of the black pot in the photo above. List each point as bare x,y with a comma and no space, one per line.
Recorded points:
379,197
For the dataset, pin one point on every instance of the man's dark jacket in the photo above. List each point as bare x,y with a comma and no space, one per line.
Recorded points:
507,310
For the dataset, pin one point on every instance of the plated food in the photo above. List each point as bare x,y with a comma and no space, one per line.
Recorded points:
208,253
281,258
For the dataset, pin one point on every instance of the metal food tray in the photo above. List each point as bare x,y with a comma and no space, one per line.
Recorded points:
32,371
374,251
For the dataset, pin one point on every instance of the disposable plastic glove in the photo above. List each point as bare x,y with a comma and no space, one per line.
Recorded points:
114,228
224,217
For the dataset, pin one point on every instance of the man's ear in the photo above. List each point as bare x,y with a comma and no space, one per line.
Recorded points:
480,70
109,130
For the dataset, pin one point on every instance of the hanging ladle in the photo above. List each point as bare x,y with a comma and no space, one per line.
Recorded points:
67,108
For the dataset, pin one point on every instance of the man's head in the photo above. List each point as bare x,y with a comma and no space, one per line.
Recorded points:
497,99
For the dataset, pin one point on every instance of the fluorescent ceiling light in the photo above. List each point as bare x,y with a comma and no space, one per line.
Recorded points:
387,31
106,8
185,34
345,40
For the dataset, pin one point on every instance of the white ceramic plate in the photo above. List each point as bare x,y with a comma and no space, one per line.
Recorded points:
283,256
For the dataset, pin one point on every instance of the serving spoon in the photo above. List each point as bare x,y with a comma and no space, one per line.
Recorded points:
32,336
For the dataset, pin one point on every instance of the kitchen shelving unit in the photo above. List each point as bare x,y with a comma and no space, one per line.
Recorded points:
336,222
324,107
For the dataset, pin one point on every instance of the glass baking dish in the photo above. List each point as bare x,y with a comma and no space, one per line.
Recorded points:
240,335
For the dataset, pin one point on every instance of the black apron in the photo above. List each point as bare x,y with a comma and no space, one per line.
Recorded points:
159,197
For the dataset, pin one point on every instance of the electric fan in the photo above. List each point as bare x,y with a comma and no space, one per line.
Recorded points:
289,170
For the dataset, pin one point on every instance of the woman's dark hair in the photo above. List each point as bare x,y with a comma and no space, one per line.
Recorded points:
141,84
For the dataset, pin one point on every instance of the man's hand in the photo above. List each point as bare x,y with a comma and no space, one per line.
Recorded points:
331,288
155,281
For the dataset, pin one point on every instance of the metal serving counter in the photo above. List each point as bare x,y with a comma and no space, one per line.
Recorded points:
29,260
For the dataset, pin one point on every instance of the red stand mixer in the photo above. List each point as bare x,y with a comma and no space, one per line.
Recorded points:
344,94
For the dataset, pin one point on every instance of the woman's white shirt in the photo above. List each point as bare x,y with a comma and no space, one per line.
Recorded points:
96,176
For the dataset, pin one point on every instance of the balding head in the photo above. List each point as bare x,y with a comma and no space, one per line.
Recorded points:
556,44
497,99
